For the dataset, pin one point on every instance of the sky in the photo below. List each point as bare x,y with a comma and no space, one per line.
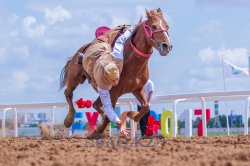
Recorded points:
38,37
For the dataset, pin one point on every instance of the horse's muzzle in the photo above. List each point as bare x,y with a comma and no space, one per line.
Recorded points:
165,49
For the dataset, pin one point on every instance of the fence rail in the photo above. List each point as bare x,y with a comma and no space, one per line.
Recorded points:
175,99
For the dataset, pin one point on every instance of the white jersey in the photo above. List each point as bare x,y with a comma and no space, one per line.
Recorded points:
119,43
149,87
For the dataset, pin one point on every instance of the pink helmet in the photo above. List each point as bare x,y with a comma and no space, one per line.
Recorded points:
101,30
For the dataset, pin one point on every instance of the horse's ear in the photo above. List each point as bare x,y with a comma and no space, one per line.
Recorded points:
148,13
159,10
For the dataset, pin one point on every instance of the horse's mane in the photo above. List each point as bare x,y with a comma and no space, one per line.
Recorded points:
137,26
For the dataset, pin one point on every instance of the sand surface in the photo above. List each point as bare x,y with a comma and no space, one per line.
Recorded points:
147,152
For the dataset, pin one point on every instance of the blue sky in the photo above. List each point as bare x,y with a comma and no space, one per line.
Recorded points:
37,37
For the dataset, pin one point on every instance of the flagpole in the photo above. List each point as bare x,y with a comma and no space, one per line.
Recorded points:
224,86
222,62
248,65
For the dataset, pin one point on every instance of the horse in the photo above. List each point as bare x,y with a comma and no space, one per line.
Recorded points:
148,34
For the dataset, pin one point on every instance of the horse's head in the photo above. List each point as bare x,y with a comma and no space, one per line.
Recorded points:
156,31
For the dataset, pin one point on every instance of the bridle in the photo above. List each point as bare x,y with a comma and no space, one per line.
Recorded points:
148,32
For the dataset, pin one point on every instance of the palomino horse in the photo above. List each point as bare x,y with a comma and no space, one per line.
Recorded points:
149,34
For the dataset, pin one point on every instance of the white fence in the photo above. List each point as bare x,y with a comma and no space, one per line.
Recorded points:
174,99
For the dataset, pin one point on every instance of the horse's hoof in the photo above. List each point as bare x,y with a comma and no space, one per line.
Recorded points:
69,119
96,135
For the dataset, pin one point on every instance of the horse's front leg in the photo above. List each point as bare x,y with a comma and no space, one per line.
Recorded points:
140,96
98,106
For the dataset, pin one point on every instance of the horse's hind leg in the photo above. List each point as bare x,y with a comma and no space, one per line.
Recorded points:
69,96
75,77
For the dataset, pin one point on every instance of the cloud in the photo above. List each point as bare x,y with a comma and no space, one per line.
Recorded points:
31,28
207,54
19,80
207,75
58,14
238,56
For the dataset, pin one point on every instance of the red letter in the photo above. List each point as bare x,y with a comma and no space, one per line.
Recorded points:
199,112
92,118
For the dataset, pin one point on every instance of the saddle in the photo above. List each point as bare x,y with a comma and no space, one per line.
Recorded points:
122,29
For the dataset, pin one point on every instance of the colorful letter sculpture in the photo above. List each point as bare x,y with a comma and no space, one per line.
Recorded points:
152,126
199,112
88,103
77,125
92,119
188,122
156,116
83,103
165,129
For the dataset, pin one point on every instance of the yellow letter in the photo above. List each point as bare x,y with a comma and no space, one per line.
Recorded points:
165,129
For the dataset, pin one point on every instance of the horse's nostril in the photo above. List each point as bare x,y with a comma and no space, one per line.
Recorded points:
164,46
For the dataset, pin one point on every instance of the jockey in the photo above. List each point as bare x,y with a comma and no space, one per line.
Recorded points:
104,65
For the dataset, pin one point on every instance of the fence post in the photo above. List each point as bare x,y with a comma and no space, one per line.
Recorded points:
188,122
204,117
246,114
132,123
15,122
174,117
3,121
53,119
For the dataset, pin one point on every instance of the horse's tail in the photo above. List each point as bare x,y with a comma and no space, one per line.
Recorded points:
64,74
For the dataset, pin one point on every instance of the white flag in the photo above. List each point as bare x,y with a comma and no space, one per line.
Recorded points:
234,71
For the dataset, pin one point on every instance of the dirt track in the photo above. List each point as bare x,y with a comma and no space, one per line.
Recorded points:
179,151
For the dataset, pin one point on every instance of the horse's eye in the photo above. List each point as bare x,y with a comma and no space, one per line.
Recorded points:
154,27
